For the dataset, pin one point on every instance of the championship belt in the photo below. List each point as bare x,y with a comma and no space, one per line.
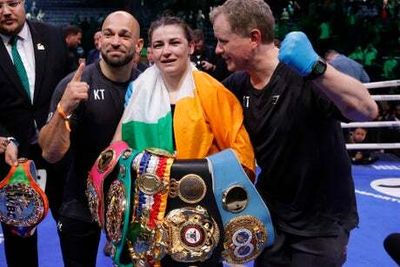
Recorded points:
247,223
193,220
118,208
147,238
23,204
193,234
103,166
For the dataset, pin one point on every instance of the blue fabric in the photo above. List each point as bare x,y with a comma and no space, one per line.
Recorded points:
128,94
350,67
228,172
297,52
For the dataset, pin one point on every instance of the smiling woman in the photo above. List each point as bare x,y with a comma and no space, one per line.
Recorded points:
182,110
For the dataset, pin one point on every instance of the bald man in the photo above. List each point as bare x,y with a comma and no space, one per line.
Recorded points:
84,112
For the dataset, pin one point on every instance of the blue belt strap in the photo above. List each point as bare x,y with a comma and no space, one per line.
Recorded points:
226,173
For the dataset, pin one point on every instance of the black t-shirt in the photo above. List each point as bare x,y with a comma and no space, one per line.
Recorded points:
305,174
93,125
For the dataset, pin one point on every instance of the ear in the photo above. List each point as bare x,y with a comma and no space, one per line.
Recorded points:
191,47
255,37
139,45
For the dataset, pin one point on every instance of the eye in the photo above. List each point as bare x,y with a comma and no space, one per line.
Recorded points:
13,4
157,45
107,34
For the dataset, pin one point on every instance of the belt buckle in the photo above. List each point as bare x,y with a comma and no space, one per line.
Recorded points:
148,242
150,184
191,188
193,234
23,204
116,203
244,240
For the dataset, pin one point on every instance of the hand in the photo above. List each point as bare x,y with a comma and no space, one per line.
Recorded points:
207,65
297,52
3,144
11,154
75,92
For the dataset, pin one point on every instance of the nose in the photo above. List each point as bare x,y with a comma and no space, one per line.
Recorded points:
115,40
218,49
166,50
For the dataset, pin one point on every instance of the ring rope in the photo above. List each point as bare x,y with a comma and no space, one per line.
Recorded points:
392,83
385,97
371,124
372,85
373,146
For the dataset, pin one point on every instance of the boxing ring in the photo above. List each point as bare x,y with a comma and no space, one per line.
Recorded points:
378,211
377,124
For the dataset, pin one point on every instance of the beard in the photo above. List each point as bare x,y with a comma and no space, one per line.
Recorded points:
118,62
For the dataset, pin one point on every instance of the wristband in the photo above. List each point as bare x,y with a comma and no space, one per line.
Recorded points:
64,116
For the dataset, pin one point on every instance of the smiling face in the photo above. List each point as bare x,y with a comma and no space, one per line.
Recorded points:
234,49
12,17
171,50
120,39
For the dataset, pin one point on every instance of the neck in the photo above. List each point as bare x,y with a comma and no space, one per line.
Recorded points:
264,65
117,74
173,83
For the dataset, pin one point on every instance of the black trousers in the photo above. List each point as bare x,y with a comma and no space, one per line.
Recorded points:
23,251
298,251
79,242
392,246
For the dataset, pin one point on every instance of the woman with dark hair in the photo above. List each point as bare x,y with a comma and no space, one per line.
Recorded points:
175,107
186,112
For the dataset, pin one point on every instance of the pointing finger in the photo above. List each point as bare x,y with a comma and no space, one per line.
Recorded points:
78,73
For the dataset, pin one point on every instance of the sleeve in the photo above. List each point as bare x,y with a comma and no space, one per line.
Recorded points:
128,94
364,76
3,131
325,107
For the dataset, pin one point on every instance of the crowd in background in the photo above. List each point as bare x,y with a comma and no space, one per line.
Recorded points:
366,31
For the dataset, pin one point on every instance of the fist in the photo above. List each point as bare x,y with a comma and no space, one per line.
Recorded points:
297,52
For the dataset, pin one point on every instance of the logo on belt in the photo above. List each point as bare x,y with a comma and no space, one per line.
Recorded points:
193,234
23,204
103,166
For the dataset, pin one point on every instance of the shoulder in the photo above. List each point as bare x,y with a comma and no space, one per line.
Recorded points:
44,27
236,82
208,86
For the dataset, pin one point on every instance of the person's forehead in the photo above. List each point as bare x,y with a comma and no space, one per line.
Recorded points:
221,25
169,30
119,22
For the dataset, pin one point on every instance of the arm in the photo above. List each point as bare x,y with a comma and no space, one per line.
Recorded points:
8,146
349,95
54,138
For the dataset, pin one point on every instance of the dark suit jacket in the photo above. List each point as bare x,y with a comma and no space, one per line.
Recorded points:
17,113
